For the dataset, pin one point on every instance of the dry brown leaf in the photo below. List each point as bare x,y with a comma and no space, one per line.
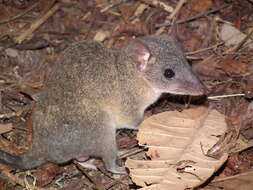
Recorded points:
201,6
193,43
45,174
207,69
177,143
233,67
242,181
101,3
128,10
239,162
137,29
4,128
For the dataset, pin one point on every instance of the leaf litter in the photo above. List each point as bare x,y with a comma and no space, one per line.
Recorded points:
178,143
32,33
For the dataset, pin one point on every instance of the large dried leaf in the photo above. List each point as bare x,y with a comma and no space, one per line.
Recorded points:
177,145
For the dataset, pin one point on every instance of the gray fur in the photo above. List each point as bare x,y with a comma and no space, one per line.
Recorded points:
94,90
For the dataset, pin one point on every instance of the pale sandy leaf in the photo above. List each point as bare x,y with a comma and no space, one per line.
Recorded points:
101,35
177,144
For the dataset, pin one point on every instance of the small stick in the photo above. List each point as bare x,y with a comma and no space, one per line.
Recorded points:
224,96
37,24
19,15
204,49
98,185
113,4
178,7
194,58
160,4
194,17
131,152
172,15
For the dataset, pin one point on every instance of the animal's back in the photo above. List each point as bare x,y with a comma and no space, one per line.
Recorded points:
85,69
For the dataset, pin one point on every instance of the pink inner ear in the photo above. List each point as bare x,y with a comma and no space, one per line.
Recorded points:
146,56
143,58
140,53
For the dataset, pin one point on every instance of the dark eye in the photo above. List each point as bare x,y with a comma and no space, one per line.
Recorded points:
169,73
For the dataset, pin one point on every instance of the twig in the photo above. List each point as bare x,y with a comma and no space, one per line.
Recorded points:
178,7
224,96
160,4
37,24
112,5
204,49
98,185
19,15
131,152
194,17
171,16
194,57
114,182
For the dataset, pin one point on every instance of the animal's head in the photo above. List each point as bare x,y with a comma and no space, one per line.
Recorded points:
162,63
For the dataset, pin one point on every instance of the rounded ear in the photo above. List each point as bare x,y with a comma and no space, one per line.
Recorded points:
139,52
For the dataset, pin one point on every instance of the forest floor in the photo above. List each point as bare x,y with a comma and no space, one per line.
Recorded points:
217,38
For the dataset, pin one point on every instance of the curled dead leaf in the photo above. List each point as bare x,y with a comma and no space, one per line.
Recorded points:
201,6
177,145
137,29
46,173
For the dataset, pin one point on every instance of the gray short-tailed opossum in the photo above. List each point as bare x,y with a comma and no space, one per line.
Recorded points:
93,90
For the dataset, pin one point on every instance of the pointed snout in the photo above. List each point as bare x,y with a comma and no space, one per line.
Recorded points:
201,90
196,88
